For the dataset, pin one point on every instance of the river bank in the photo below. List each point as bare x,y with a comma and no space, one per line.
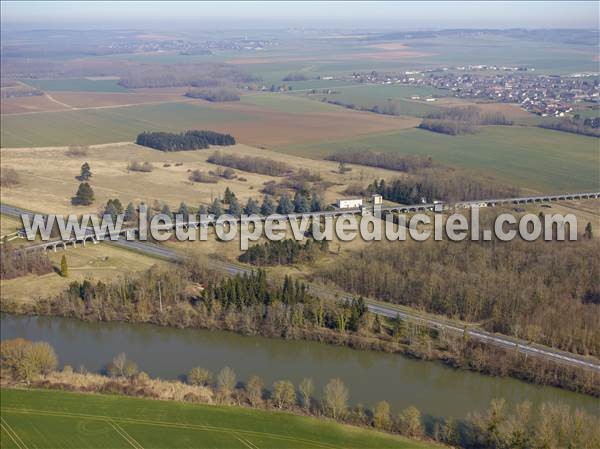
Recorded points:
170,353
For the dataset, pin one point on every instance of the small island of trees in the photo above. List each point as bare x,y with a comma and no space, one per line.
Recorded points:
185,141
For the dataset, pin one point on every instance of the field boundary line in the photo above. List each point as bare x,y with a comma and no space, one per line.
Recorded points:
134,443
13,434
171,425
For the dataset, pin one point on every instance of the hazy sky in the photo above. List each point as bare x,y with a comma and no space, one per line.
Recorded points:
407,15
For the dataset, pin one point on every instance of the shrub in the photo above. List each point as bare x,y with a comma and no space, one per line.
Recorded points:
9,177
200,176
145,167
199,376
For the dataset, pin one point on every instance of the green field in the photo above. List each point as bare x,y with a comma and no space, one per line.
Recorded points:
53,419
369,95
95,126
77,85
540,159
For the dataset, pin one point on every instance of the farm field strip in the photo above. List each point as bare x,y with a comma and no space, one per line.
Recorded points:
259,125
538,159
91,420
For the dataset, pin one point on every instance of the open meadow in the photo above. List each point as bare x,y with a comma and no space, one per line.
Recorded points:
100,262
48,176
50,419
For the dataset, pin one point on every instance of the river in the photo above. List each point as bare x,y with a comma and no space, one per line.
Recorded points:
371,376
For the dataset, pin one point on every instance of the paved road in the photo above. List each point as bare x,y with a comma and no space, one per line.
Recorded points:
380,308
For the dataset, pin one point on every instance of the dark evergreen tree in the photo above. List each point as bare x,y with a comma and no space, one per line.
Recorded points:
588,233
184,210
215,208
166,210
84,195
228,196
130,213
285,205
267,207
234,207
86,172
301,203
316,203
251,207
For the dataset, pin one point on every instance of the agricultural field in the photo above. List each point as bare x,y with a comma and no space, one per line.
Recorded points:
534,158
77,84
256,125
49,419
100,262
370,95
48,176
27,105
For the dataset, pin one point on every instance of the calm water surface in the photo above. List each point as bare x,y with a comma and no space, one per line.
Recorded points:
370,376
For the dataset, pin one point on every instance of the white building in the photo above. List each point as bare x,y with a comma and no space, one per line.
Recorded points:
349,203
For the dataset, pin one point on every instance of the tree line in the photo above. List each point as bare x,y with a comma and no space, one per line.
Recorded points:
441,185
585,127
185,141
214,95
254,164
389,161
462,120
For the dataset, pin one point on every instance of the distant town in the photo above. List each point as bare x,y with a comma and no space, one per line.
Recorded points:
544,95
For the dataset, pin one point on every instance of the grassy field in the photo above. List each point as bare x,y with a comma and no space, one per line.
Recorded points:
369,95
8,225
51,419
287,121
540,159
77,85
48,177
94,126
101,262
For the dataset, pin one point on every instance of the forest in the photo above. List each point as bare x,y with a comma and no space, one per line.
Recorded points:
14,264
546,292
186,141
284,252
441,185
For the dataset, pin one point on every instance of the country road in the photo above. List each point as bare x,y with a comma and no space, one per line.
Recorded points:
378,307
